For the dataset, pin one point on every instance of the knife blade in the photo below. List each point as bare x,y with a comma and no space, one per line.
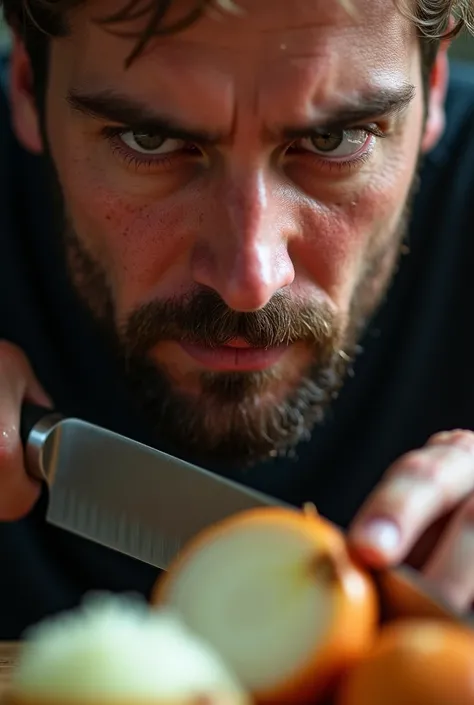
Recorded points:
123,494
147,504
405,593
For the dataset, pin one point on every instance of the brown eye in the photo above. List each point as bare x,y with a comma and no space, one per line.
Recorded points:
149,143
343,143
327,141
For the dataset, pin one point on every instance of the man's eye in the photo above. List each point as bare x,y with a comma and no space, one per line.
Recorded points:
341,143
145,143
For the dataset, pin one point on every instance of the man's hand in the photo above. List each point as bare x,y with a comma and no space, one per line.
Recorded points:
423,513
18,493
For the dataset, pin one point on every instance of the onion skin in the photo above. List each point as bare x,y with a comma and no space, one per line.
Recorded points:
357,609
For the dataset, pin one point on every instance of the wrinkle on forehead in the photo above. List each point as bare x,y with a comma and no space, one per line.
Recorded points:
280,58
255,20
271,32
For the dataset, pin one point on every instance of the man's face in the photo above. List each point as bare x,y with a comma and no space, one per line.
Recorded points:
235,203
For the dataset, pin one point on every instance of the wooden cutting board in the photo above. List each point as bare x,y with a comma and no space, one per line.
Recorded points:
9,654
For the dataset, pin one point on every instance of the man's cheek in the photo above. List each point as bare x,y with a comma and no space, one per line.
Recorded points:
141,247
134,228
338,237
367,221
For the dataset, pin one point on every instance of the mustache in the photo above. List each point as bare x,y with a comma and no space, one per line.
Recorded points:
204,318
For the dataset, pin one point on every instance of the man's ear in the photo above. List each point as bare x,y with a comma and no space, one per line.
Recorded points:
23,110
436,116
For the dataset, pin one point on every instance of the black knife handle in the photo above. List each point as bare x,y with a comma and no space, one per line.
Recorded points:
31,414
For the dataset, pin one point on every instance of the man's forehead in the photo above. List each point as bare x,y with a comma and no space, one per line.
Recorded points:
225,21
312,51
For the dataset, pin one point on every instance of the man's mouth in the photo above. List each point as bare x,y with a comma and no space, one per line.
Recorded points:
236,356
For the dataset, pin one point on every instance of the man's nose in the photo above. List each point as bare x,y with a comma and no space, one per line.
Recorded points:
242,251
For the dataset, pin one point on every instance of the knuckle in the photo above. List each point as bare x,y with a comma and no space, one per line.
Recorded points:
17,511
8,349
407,496
461,438
16,505
389,501
466,512
417,465
11,357
8,447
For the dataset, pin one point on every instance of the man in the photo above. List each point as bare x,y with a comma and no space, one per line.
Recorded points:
213,241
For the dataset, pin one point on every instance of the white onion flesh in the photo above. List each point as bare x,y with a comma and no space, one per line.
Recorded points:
251,595
116,647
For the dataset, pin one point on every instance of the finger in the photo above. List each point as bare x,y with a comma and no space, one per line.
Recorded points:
425,545
18,492
417,490
451,567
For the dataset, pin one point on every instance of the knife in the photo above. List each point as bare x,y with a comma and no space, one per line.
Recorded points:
147,504
404,593
123,494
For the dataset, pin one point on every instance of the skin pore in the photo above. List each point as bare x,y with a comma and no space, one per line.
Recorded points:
235,201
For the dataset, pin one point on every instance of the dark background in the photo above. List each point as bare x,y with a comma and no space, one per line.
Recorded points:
463,47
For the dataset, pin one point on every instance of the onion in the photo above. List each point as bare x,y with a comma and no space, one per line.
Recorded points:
115,649
277,594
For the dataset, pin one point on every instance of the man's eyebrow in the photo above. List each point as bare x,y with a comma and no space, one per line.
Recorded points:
381,103
115,107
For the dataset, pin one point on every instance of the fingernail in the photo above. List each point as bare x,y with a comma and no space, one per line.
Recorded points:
381,534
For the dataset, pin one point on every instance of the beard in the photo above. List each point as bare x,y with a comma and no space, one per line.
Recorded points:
237,418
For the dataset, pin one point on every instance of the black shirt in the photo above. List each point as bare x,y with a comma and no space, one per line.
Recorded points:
414,377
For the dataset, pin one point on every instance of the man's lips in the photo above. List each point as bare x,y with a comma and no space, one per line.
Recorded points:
236,356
